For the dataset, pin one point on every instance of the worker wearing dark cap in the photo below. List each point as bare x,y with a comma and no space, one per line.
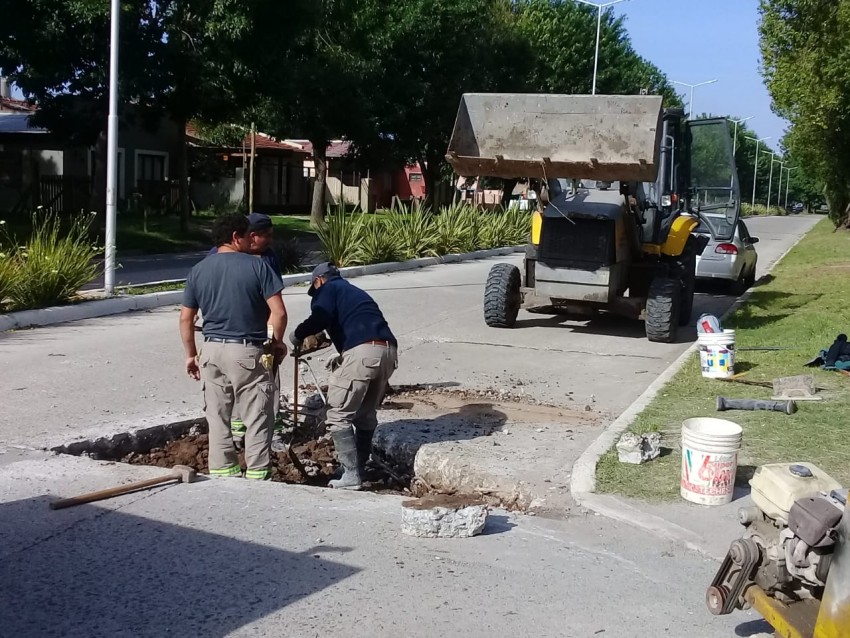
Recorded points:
368,357
259,242
239,296
260,238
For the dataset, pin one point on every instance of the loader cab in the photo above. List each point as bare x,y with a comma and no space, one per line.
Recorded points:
710,178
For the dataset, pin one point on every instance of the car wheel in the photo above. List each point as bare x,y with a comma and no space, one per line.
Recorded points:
741,284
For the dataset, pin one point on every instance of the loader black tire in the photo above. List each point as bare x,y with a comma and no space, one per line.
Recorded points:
688,269
502,296
663,305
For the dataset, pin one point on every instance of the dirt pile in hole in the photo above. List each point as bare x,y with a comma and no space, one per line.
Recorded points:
317,456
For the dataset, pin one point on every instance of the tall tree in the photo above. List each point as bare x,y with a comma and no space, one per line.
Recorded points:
805,65
563,34
315,90
422,55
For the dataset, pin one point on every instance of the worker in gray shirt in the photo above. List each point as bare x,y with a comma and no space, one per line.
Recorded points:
238,295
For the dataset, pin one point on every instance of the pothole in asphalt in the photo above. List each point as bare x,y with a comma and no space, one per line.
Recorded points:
416,414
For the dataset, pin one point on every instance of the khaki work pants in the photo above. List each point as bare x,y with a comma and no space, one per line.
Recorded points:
235,379
357,386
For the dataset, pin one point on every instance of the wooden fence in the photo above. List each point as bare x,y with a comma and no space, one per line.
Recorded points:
63,194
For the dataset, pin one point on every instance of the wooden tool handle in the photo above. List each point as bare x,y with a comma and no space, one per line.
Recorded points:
295,393
112,491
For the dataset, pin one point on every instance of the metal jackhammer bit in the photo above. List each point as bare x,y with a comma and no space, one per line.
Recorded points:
786,407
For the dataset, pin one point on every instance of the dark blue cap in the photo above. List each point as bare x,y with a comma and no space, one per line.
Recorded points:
257,222
323,270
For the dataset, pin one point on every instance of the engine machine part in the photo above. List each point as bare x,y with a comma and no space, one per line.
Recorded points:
777,486
793,557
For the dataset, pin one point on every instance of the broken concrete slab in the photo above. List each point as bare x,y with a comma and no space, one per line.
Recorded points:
501,451
639,448
444,516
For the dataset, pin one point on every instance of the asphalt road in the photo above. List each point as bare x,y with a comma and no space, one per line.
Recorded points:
124,371
145,269
234,558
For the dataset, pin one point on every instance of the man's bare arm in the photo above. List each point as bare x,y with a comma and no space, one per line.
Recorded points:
187,335
279,318
187,330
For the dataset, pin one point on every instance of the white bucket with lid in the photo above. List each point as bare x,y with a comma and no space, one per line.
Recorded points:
717,354
709,460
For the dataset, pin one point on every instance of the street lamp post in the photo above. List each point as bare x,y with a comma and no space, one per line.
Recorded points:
770,181
112,153
693,113
779,188
599,8
756,169
788,183
735,137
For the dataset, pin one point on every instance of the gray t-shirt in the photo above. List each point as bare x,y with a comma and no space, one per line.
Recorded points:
231,291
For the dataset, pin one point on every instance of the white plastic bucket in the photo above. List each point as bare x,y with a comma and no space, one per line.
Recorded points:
709,460
717,354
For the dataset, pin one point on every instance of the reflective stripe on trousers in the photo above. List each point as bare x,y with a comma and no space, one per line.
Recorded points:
233,470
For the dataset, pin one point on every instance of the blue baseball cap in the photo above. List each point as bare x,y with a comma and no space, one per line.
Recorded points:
325,269
257,223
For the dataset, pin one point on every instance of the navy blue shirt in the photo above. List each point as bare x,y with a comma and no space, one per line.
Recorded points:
269,257
231,290
349,315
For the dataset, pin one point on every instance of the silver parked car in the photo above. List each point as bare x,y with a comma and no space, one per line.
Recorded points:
733,261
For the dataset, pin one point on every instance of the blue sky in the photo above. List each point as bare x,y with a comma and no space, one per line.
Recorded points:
697,40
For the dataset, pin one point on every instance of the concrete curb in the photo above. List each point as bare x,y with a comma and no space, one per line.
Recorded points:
120,305
583,478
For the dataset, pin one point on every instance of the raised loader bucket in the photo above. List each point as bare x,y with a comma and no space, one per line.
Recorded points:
513,135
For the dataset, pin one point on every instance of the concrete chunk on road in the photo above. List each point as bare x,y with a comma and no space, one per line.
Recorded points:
442,516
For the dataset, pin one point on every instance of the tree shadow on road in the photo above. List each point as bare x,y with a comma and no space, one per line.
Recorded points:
93,571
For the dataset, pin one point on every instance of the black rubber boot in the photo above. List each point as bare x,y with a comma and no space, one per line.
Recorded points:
363,441
346,454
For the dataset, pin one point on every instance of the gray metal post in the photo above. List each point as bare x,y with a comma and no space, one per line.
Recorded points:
770,181
112,152
596,57
756,172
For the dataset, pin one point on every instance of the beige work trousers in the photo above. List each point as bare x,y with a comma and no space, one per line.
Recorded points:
234,379
357,386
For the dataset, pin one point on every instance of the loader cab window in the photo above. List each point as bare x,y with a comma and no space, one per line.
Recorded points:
713,180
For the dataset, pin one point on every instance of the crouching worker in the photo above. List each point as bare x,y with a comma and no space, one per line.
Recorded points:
237,293
368,357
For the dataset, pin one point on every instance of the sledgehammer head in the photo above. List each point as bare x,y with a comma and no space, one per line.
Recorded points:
184,473
787,407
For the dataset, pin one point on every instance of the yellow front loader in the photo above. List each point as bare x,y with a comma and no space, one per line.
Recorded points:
624,183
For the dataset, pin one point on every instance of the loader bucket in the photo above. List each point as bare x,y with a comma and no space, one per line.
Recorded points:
513,135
